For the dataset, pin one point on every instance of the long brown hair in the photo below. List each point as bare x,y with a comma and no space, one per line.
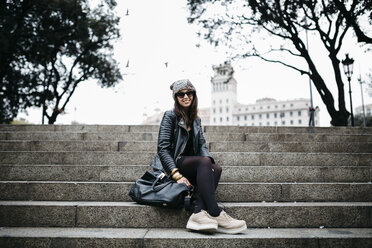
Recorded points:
190,114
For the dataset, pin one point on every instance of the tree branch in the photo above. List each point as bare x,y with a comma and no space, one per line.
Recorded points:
284,49
282,63
352,21
83,77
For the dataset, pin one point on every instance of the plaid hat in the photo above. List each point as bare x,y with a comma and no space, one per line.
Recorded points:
183,84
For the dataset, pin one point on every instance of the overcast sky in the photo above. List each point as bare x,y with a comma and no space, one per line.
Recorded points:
157,32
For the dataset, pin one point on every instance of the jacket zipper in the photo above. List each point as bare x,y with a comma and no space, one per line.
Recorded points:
183,147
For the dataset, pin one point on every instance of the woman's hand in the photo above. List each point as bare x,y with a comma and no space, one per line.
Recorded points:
185,181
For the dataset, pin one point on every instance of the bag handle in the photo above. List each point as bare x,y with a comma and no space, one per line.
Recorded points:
189,205
158,177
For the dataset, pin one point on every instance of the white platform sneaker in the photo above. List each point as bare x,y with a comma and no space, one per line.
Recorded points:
202,222
227,224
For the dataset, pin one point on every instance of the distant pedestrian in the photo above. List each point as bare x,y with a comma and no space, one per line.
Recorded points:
312,116
182,154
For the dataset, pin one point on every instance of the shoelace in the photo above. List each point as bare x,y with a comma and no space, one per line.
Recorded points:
228,217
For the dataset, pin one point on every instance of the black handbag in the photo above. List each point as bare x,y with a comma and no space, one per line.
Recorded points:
156,189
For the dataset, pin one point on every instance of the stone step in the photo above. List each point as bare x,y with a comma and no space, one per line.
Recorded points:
221,158
132,215
33,237
327,130
329,147
109,136
225,146
226,192
207,128
210,136
80,128
122,173
304,137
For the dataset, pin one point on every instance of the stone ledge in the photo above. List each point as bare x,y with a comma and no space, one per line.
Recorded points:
158,237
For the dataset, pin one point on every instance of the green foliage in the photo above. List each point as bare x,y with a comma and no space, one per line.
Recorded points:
48,47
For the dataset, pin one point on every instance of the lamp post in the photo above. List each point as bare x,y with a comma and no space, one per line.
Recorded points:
361,92
348,69
311,122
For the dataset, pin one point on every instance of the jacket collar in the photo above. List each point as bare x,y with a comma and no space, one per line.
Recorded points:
182,124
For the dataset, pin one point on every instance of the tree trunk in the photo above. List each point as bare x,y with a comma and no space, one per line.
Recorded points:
53,117
338,118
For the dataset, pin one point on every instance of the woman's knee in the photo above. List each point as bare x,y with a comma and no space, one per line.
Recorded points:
217,169
205,161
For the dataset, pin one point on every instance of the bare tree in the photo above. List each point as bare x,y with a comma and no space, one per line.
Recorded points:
286,21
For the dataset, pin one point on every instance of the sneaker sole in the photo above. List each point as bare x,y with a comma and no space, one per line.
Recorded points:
201,227
232,231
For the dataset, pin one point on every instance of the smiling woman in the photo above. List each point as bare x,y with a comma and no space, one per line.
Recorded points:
184,156
185,98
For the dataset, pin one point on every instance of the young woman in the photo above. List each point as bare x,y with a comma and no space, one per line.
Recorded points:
182,153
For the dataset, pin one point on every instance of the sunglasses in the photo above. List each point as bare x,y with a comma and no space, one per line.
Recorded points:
188,93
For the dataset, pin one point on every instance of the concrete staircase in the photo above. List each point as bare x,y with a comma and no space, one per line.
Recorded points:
67,186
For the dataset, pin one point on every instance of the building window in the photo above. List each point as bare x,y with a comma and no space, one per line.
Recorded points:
260,124
368,111
227,109
291,122
268,123
276,123
268,107
260,107
283,105
220,101
254,108
260,116
214,110
214,102
220,119
252,124
214,120
291,114
227,100
275,115
299,113
227,118
283,123
246,109
239,109
291,104
252,117
299,121
238,118
267,115
276,106
282,114
220,110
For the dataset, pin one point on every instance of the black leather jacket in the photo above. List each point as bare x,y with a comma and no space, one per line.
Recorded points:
172,141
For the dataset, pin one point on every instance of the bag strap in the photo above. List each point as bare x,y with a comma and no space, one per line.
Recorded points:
189,205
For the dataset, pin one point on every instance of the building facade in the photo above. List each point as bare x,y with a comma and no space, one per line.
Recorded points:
225,110
270,112
367,109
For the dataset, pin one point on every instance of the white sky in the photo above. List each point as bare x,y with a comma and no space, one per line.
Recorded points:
156,32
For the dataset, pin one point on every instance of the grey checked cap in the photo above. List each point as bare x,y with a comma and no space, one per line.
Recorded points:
183,84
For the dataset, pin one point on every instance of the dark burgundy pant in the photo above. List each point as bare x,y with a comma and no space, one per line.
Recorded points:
201,172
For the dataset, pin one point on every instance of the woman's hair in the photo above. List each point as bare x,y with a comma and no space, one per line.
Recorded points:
190,114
